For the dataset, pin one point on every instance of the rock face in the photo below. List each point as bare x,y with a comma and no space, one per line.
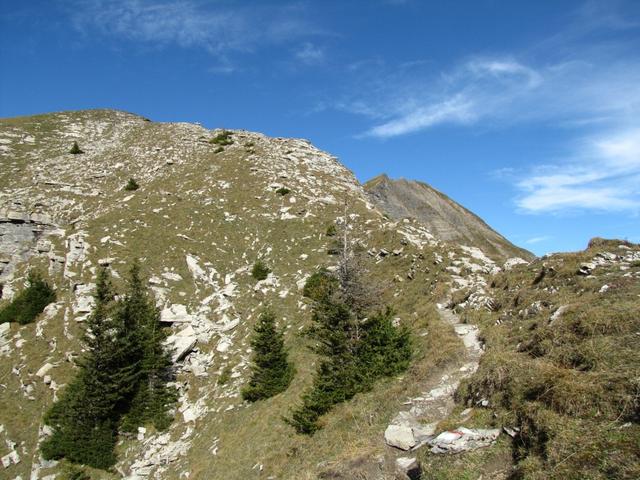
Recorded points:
446,219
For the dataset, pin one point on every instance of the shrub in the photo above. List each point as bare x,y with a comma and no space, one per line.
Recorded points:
219,150
356,345
131,185
222,139
332,231
271,371
75,149
260,271
30,302
225,376
283,191
319,285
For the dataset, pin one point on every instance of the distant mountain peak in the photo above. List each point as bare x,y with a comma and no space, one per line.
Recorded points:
445,218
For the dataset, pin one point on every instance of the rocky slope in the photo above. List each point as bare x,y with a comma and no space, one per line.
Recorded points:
446,219
202,216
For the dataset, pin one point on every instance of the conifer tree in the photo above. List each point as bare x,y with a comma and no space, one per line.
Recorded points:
357,344
75,149
83,419
122,381
271,371
151,396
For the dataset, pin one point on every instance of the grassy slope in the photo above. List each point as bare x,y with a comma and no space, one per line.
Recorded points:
197,196
570,382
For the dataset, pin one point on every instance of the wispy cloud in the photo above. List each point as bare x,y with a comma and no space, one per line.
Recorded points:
498,91
310,54
534,240
216,27
603,174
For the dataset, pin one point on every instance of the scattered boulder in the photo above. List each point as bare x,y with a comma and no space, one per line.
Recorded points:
463,440
586,268
410,467
182,342
399,436
176,313
44,370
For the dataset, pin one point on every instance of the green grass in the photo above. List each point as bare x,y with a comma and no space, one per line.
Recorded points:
570,382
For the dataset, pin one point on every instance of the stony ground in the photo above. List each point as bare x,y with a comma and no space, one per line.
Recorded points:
202,216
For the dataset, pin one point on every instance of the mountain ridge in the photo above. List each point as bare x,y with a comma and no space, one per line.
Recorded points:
445,218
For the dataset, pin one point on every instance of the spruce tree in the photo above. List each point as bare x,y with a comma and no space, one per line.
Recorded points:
84,421
151,396
271,371
75,149
122,381
356,342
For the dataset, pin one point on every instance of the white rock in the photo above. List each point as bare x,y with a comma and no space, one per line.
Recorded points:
4,328
399,436
182,343
176,313
176,277
407,463
512,262
223,345
463,440
44,370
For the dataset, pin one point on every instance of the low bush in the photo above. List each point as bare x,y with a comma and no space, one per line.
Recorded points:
30,302
319,285
75,149
282,191
131,185
260,271
225,376
223,138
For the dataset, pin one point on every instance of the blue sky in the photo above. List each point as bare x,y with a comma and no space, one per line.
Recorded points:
527,113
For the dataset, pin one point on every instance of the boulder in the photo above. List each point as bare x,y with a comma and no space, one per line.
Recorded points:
463,440
409,467
175,314
586,268
399,436
182,343
44,370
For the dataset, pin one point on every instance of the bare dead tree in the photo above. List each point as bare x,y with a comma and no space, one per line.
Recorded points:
354,291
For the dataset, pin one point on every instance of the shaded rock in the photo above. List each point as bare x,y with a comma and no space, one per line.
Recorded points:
182,343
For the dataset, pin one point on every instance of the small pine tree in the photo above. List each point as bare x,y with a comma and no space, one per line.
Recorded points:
30,302
122,381
260,271
271,371
131,185
75,149
152,397
355,344
332,231
84,419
